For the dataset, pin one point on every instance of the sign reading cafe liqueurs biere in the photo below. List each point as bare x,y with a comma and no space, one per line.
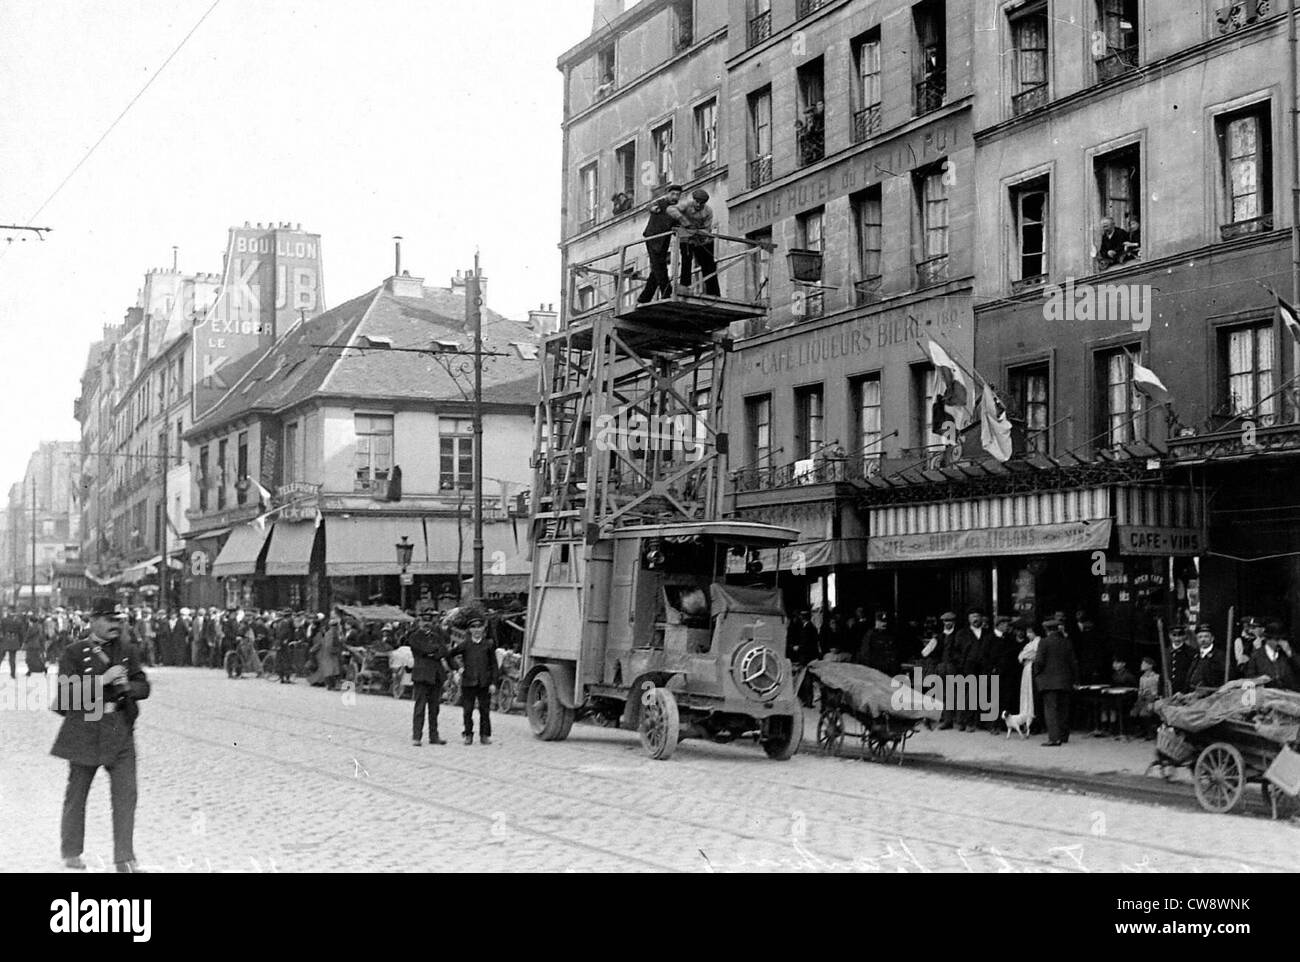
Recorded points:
272,277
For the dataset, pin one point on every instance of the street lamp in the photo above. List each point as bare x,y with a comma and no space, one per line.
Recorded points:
404,549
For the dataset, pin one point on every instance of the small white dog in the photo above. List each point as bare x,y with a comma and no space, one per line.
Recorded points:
1019,722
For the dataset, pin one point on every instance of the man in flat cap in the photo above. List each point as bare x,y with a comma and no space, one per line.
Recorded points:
659,235
100,681
694,220
1056,671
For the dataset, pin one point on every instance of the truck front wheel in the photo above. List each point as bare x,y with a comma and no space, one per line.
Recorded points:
782,736
549,719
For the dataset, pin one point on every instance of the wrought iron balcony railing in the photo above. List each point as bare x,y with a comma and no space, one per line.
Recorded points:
1029,99
866,123
1256,225
932,270
812,142
930,92
867,290
760,171
760,28
814,470
1117,62
805,7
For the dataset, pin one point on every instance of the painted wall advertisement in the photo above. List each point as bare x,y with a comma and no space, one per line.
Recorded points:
272,279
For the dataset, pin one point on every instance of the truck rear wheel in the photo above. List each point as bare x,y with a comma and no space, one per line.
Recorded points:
548,717
784,736
661,726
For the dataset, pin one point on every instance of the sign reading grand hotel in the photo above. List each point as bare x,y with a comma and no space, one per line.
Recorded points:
271,275
897,158
991,542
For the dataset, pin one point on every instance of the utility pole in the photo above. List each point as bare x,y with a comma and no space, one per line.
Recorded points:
1293,136
474,307
164,566
33,544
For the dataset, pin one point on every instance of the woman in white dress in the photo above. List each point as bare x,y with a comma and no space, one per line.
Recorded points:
1034,633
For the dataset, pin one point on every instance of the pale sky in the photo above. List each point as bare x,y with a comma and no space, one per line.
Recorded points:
436,120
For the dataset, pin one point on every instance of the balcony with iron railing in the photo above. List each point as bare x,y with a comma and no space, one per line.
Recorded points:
868,290
1117,63
1031,98
930,92
835,467
1243,228
760,28
805,7
811,137
760,171
866,123
932,270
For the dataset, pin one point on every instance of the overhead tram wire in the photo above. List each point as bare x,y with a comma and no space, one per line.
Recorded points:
117,120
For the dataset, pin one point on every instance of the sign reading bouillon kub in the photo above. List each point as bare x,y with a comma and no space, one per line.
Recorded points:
272,277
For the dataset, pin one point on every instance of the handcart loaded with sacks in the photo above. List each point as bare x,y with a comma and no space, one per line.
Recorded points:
1232,736
866,704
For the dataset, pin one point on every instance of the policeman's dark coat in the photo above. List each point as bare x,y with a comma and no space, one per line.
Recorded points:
87,741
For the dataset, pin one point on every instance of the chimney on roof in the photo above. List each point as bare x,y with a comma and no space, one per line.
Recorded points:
605,13
397,255
544,320
462,278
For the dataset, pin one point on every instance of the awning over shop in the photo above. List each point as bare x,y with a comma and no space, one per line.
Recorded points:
289,553
367,546
241,551
815,548
146,569
1160,520
1045,522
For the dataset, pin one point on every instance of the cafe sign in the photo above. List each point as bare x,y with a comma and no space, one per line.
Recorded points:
1137,539
991,542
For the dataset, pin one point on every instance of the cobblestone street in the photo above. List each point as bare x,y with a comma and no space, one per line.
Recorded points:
249,775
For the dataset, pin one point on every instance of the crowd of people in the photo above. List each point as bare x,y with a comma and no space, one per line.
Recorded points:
1040,665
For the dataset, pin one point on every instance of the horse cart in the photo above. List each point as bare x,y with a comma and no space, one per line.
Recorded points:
1231,737
862,703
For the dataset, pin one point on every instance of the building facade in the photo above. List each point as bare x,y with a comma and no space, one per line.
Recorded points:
42,529
1129,162
350,433
849,134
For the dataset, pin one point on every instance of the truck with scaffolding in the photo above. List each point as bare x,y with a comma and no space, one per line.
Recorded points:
647,609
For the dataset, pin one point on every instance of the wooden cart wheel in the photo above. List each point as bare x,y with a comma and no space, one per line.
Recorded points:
660,726
830,730
1219,777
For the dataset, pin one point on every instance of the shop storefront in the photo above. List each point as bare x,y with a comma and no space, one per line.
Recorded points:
1127,556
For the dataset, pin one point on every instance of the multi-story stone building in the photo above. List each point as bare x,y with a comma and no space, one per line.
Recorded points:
848,132
43,519
179,347
1167,123
350,433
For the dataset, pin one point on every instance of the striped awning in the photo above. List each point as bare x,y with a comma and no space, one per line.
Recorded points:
1043,522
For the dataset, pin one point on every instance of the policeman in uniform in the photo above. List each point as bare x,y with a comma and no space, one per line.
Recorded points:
429,646
98,730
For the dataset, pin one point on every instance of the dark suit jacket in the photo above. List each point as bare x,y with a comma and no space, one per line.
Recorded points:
1207,670
83,738
430,647
1055,667
1282,673
480,663
979,653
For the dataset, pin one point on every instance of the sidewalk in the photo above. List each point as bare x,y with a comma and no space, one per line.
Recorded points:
1084,763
